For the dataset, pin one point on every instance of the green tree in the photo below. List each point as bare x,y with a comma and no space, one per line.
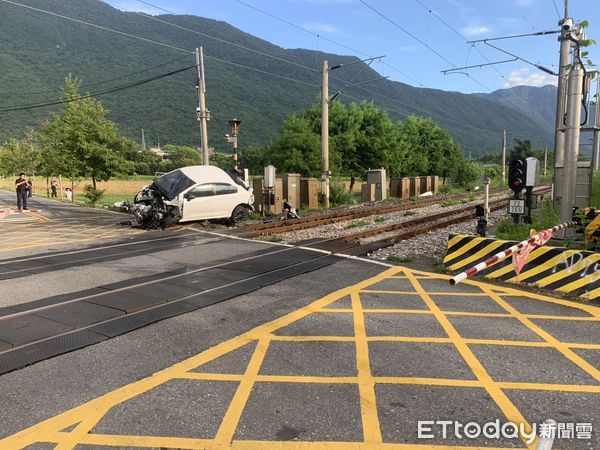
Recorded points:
522,149
222,160
83,141
23,155
180,156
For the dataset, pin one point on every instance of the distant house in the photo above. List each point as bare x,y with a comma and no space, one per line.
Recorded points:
158,151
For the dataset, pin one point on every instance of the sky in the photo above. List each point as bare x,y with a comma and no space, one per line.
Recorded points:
419,38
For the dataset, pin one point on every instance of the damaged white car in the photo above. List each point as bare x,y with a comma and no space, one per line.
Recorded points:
191,193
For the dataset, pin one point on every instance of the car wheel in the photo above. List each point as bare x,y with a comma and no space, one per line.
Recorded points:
240,213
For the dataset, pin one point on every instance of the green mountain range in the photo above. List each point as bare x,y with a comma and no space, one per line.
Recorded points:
246,78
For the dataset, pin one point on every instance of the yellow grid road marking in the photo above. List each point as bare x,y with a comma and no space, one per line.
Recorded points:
86,416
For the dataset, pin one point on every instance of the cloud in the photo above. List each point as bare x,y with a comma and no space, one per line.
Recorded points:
474,30
320,27
524,76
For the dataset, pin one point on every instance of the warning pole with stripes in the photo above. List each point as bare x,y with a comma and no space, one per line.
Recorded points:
506,253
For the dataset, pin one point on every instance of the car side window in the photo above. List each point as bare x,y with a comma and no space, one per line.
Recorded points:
224,188
204,190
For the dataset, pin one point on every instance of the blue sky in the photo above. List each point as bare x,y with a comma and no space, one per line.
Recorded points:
353,24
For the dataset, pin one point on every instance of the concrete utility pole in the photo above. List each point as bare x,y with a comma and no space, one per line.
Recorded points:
503,156
325,134
143,141
596,151
202,113
566,26
575,92
545,160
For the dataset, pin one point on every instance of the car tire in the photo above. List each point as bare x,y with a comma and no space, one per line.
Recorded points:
240,213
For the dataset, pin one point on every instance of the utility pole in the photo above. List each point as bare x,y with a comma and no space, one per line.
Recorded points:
503,157
202,113
545,160
143,141
325,134
575,92
566,26
596,151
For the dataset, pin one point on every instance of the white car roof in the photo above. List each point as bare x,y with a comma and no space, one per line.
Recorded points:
206,174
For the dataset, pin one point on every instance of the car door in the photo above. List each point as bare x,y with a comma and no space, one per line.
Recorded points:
227,195
200,203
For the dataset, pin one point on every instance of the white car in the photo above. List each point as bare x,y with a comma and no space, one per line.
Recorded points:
194,193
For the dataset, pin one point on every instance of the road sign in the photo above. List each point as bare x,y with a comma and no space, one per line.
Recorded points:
516,206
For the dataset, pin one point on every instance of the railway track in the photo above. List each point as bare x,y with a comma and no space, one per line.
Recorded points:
391,234
317,220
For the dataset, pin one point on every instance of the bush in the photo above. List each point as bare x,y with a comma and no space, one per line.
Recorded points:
92,196
338,194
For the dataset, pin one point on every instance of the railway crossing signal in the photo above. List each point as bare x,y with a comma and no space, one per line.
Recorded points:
517,169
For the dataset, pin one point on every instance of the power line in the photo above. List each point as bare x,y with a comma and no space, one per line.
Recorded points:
96,26
95,94
431,49
556,9
321,37
214,37
55,91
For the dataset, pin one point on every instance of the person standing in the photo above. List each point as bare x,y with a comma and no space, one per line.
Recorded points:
22,191
29,188
53,186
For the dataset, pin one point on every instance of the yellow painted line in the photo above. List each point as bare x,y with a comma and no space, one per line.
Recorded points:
507,343
511,412
561,347
462,250
429,381
38,216
240,398
36,433
278,337
366,384
577,284
478,255
581,265
427,340
460,294
510,291
509,267
594,389
209,376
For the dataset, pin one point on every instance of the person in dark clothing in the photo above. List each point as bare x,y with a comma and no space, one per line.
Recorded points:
53,185
22,192
29,188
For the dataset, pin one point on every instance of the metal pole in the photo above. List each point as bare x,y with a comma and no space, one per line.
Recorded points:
486,202
561,94
503,157
545,160
202,104
325,135
235,154
596,151
546,442
575,88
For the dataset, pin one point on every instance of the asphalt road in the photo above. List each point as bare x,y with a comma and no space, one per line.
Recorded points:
350,356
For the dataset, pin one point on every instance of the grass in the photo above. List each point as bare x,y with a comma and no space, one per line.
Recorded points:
548,218
409,213
595,200
452,202
399,260
357,224
379,219
273,238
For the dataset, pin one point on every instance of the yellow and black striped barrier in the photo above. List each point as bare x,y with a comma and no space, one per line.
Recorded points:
575,272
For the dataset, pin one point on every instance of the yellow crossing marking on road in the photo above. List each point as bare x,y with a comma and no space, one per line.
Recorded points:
86,417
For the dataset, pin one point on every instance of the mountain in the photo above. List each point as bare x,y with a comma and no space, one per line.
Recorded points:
39,50
539,103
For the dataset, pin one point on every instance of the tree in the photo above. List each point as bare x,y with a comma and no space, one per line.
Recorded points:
80,141
23,155
522,149
180,156
222,161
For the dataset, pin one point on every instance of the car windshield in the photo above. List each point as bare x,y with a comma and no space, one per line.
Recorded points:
173,183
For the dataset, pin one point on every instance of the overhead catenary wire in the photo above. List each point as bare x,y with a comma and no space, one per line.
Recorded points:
98,93
127,75
241,2
122,33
